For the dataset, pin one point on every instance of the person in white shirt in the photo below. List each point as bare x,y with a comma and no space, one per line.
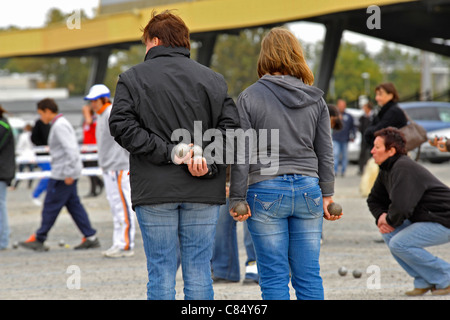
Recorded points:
25,153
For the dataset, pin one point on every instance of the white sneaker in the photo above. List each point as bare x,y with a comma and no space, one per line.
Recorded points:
115,252
113,248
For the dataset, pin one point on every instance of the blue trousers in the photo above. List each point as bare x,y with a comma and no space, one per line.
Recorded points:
225,261
59,195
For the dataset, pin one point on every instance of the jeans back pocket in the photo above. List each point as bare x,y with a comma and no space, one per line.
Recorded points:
264,205
314,202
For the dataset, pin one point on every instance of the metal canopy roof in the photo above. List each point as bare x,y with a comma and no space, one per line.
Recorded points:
410,22
420,24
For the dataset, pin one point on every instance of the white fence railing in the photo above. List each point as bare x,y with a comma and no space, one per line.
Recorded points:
88,152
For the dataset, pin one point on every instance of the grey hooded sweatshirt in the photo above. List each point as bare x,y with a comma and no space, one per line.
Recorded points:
283,108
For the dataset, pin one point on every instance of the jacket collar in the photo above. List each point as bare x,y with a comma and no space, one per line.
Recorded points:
387,106
389,162
166,51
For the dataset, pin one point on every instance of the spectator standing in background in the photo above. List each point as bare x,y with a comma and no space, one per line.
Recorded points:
342,137
390,114
89,129
39,137
364,122
25,153
7,172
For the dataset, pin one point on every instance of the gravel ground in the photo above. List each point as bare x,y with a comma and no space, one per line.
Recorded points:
66,274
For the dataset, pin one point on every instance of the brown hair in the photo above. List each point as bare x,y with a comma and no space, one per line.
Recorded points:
334,115
281,52
2,111
168,28
389,88
393,138
49,104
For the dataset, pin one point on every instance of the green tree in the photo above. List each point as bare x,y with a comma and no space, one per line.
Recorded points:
121,61
402,68
353,60
235,57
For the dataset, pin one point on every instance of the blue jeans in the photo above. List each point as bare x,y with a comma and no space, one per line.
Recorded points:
225,261
4,226
407,244
340,153
193,226
286,227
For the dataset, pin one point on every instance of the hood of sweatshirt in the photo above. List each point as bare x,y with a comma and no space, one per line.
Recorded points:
291,91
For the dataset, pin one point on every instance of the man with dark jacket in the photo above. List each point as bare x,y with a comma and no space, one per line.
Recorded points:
155,101
39,137
412,211
7,173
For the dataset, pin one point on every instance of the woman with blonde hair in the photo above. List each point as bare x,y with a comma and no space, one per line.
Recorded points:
287,201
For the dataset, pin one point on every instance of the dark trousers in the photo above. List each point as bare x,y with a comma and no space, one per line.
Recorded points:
59,195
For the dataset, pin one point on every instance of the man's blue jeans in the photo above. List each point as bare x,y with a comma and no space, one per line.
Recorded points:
340,153
286,227
193,226
407,244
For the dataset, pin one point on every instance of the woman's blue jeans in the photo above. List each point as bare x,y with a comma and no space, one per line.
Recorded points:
4,226
407,243
286,227
193,226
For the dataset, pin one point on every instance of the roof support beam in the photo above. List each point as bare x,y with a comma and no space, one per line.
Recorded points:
333,35
98,68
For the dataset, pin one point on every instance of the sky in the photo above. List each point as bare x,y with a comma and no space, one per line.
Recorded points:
32,14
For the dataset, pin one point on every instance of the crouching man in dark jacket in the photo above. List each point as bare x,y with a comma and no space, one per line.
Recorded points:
167,100
412,210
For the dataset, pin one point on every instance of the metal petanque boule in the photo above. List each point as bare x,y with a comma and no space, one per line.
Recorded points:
342,271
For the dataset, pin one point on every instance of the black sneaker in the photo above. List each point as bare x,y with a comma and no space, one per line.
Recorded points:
88,244
33,244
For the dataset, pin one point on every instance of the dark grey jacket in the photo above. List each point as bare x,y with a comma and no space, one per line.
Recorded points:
169,91
284,104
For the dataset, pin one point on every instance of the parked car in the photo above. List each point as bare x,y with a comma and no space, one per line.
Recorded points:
434,116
